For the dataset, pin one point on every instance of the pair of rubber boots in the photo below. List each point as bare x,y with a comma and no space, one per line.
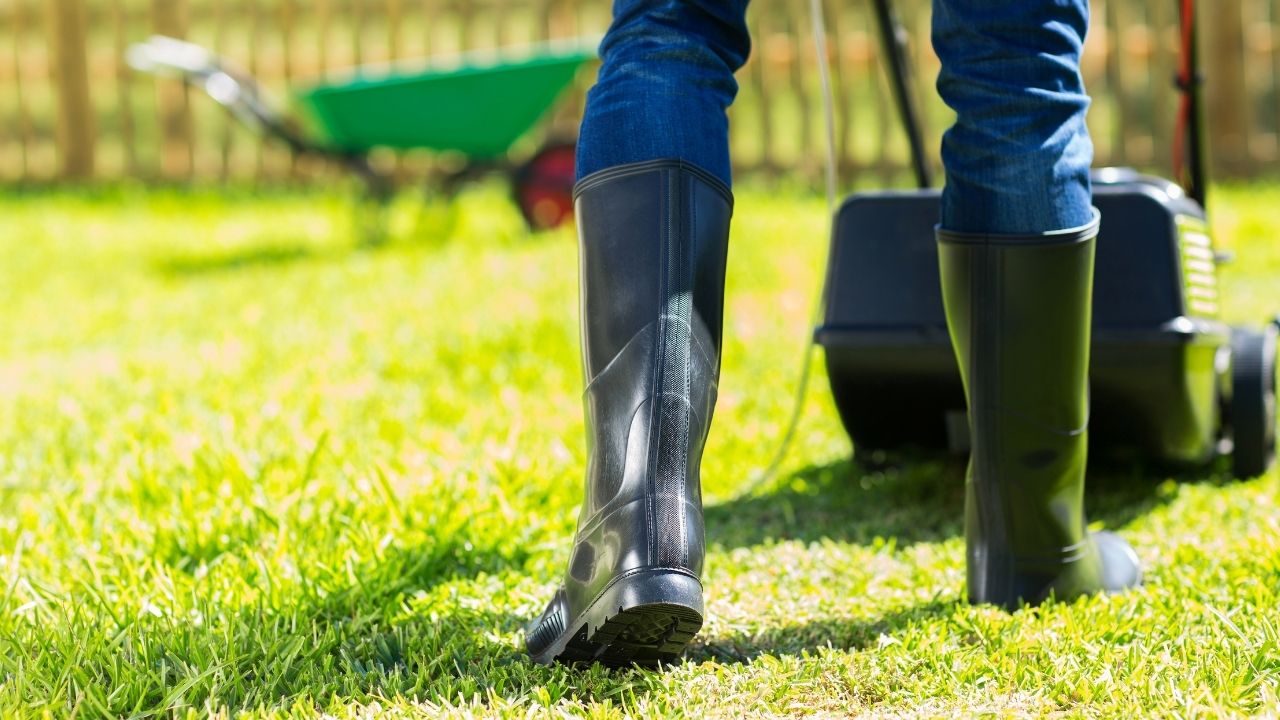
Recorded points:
654,238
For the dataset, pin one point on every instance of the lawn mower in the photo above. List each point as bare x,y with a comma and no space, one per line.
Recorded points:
1170,382
477,104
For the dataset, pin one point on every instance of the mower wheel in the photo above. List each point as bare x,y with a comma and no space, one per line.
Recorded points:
543,186
1253,400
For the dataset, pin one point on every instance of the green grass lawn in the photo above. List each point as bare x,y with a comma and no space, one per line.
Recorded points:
246,467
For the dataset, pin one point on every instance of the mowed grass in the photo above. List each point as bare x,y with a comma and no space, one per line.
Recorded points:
249,468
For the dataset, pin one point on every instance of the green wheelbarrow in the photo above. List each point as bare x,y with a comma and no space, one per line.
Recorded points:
477,104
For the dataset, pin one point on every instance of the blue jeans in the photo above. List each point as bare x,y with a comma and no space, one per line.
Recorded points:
1017,158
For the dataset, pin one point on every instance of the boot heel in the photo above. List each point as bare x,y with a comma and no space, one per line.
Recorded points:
644,619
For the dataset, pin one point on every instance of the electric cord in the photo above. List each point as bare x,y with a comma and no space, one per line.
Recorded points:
770,471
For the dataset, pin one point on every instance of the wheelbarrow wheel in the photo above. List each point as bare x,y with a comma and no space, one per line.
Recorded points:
543,186
1253,400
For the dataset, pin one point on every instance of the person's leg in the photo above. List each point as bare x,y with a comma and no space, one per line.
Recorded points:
1017,159
653,207
664,85
1016,248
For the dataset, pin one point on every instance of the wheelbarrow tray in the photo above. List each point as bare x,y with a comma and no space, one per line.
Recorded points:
478,105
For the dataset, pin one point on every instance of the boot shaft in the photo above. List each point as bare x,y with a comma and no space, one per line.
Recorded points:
1019,311
653,244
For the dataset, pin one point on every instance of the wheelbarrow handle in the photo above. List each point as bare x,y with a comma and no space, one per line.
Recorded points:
242,96
200,68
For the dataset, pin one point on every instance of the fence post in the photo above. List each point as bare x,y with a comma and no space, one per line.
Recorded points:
1117,152
71,68
124,111
23,134
177,149
1226,97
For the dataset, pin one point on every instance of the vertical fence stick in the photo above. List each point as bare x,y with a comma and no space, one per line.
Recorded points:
501,12
880,90
840,85
324,13
120,17
176,152
1225,87
1159,19
255,69
395,20
20,100
1260,143
357,31
801,40
71,68
543,14
930,127
286,17
1274,19
225,135
428,8
1116,151
760,79
464,15
1131,118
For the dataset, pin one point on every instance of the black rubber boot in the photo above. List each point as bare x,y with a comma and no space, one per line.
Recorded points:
1018,308
653,241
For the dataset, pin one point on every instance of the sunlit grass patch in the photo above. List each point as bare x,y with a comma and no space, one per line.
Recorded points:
248,465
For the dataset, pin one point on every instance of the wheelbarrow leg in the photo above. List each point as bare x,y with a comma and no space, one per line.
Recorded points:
371,208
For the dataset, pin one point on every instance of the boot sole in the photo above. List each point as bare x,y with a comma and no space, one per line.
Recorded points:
645,619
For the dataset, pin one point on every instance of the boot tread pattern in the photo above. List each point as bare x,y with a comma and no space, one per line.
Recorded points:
646,635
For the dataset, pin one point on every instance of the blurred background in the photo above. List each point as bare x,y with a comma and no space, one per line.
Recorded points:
71,109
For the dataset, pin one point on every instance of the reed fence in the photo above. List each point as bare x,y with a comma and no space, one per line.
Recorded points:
71,110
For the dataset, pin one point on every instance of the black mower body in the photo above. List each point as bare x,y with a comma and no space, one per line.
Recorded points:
1169,381
1160,368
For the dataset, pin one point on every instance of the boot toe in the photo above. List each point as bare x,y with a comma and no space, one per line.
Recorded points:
541,634
1120,567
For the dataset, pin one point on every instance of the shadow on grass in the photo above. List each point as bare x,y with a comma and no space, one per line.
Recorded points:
274,251
279,254
251,257
847,501
264,256
835,633
912,498
433,228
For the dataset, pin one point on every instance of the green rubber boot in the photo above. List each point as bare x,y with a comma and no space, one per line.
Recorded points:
1019,309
